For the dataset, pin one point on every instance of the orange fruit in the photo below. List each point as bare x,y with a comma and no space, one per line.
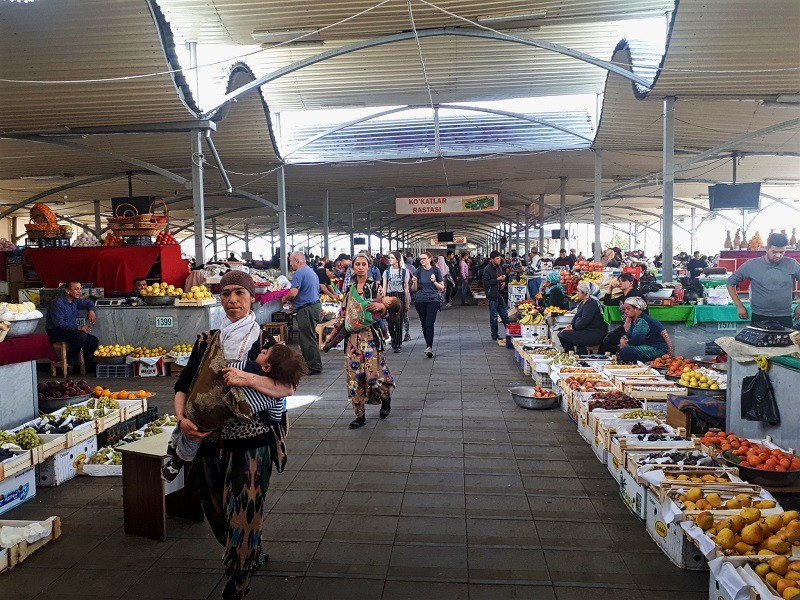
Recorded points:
123,395
141,394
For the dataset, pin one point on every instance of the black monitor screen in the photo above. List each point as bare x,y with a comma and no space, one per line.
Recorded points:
739,196
359,241
444,236
555,234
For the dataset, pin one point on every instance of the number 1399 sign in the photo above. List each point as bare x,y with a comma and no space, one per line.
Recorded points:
165,322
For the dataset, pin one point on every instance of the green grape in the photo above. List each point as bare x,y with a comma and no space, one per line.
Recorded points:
27,438
7,438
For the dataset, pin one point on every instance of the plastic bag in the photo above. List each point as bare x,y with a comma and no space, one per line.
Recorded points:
758,397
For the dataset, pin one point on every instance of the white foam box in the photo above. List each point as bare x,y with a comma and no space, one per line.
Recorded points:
140,369
532,331
17,489
726,582
632,493
64,465
671,538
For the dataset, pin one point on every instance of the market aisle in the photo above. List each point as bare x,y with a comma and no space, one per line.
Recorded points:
458,494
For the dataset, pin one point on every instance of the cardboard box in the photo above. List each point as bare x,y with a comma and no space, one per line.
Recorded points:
140,369
676,418
632,493
671,538
17,489
64,465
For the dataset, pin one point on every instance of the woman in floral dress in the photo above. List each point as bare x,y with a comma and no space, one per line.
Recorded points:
369,380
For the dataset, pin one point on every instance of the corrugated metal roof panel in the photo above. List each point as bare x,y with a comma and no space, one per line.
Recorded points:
738,49
83,39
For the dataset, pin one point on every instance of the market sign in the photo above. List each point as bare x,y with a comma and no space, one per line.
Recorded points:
458,240
165,322
446,205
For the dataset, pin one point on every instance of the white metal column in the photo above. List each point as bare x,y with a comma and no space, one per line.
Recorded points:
352,227
97,227
527,229
214,237
282,221
198,201
541,224
598,194
694,231
326,216
669,188
562,215
369,233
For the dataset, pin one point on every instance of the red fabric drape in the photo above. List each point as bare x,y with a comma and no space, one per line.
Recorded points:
109,268
3,263
31,347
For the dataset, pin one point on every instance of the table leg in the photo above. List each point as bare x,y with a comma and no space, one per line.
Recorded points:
143,502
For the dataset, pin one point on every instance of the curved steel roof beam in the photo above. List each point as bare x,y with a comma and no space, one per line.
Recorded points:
426,33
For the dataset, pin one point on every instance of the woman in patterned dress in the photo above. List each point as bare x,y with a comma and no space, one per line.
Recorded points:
231,472
369,380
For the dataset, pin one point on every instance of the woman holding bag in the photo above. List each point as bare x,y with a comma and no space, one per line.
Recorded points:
369,380
232,469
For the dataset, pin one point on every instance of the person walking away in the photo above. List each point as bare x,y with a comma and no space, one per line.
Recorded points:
772,278
444,271
533,272
61,325
396,284
463,272
304,296
427,284
452,284
231,472
553,292
494,280
588,327
369,380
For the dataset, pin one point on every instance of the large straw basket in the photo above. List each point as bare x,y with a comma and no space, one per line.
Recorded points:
127,214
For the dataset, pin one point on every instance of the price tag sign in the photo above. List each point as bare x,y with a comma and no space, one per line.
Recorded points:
80,322
165,322
726,326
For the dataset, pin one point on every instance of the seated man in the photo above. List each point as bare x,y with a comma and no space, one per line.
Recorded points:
139,284
60,325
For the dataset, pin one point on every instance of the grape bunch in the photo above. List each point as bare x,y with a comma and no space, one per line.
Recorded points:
641,428
27,438
103,402
165,421
677,457
7,438
106,456
150,431
614,400
650,415
78,411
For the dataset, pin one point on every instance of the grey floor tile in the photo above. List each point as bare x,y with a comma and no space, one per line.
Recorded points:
437,464
308,501
320,480
439,449
538,485
362,528
600,593
440,423
371,503
387,448
291,558
93,583
351,559
331,588
331,462
531,437
579,509
573,534
431,530
425,590
551,468
499,506
439,563
497,450
436,482
295,528
577,567
26,581
482,437
442,505
381,434
490,466
493,484
502,532
507,564
440,435
374,481
484,591
656,572
539,452
389,464
157,583
351,446
270,586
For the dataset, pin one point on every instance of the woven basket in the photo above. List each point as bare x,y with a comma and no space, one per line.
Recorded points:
41,213
161,219
151,229
42,230
129,216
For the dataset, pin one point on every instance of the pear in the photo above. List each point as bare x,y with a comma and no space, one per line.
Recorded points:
790,515
745,500
705,521
713,499
733,504
726,523
795,566
708,478
792,593
694,494
725,539
772,579
793,575
777,545
783,584
765,552
752,534
743,549
762,569
737,523
779,564
774,522
765,504
703,504
750,515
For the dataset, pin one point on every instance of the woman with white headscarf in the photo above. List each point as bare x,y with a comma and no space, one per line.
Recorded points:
588,327
645,338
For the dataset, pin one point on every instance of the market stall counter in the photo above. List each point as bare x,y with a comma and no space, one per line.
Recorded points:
784,373
18,356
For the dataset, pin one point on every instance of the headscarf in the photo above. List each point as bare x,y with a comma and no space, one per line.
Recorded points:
442,266
590,289
554,278
636,302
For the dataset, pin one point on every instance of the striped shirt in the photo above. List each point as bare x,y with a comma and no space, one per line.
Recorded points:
266,406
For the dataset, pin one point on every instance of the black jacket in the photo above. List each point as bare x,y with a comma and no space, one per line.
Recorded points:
589,316
490,284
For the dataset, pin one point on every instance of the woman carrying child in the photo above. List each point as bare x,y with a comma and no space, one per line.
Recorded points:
368,378
232,482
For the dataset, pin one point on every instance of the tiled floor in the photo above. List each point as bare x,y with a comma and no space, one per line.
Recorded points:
458,494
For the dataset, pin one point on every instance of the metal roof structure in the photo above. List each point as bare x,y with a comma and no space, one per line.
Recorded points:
727,63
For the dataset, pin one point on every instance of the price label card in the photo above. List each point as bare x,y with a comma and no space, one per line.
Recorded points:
165,322
80,322
726,326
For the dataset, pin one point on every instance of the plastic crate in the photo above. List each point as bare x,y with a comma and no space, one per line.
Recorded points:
113,371
115,433
148,416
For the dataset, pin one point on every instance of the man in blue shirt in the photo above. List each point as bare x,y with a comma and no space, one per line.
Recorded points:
61,325
304,296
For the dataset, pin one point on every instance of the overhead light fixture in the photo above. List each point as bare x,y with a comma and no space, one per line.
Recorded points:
59,177
511,20
278,37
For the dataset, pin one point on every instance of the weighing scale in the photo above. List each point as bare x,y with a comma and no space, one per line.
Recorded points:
768,334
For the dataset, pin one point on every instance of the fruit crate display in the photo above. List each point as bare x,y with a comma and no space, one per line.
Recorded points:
24,548
148,416
115,433
113,371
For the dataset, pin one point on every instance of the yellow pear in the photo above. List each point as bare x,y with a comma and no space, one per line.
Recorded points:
762,569
791,593
726,523
774,522
742,548
795,566
737,523
793,575
705,521
752,534
745,500
765,552
694,494
750,515
713,499
790,515
779,564
765,504
777,545
733,504
772,579
725,539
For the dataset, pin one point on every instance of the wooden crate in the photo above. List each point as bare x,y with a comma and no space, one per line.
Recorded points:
21,551
12,466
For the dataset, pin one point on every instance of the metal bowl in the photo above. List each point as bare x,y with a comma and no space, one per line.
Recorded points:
22,328
661,294
110,360
48,405
523,397
760,477
159,300
708,360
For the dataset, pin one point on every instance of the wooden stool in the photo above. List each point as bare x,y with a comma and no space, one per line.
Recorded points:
281,329
323,329
61,351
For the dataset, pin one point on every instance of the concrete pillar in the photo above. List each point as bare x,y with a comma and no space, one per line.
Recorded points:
198,201
541,224
247,237
282,220
562,217
97,227
527,229
352,227
694,232
214,236
326,217
669,188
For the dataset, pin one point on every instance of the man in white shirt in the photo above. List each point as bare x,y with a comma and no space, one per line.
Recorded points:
534,273
463,272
